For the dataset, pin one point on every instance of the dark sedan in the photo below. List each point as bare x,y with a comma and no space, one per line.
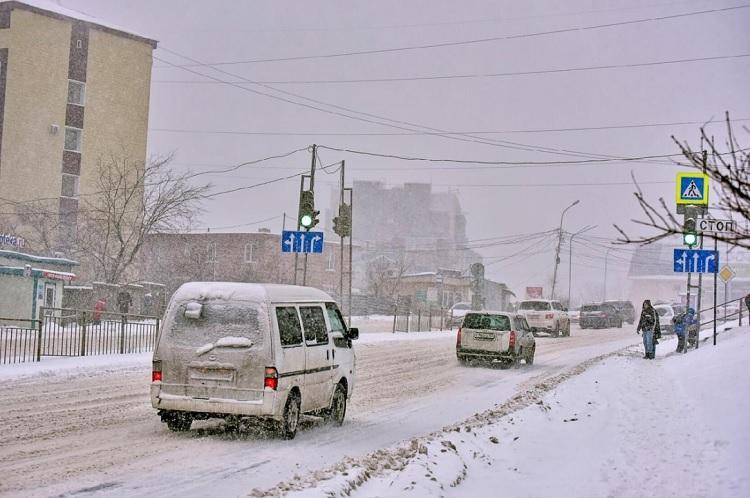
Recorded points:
599,316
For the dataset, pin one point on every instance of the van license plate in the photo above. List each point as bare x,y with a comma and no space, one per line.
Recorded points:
484,336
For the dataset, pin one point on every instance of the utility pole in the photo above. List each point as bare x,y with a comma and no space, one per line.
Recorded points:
606,259
559,243
570,258
351,251
310,192
341,238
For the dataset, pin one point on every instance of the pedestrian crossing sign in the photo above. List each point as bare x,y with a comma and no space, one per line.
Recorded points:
692,188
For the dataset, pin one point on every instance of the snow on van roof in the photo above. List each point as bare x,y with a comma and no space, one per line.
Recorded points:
240,291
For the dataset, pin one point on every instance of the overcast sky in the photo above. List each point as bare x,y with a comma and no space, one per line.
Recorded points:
230,31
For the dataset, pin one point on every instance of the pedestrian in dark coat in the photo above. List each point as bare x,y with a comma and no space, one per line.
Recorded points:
649,325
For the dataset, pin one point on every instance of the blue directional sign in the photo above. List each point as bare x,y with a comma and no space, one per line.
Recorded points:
304,242
696,261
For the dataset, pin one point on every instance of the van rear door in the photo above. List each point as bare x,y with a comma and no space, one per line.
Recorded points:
216,349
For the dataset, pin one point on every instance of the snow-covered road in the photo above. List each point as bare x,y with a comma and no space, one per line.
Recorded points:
92,430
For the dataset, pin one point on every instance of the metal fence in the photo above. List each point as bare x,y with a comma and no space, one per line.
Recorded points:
408,320
71,332
19,340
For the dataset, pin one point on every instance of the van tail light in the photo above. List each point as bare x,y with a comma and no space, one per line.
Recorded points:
271,379
512,340
156,371
458,338
549,316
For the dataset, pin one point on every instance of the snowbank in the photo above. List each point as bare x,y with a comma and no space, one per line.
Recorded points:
675,426
75,366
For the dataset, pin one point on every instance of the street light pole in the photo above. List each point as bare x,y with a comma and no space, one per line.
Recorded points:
606,255
570,258
557,253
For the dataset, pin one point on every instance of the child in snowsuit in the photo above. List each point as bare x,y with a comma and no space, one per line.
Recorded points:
682,325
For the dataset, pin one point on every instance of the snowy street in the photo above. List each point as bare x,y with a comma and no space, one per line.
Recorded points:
92,430
625,427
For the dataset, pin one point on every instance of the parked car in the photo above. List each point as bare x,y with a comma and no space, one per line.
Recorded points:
666,313
574,315
599,316
625,309
265,352
495,336
458,312
544,315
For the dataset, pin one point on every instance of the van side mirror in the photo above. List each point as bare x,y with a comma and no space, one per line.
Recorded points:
353,333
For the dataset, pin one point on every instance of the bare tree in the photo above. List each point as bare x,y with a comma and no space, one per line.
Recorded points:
384,275
133,200
37,220
728,166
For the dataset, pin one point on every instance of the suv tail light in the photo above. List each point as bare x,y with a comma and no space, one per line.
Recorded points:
512,340
458,338
156,371
271,379
549,316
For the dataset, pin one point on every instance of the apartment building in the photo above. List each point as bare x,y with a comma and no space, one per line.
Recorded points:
74,91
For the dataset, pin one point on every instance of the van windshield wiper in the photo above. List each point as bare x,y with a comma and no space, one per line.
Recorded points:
225,342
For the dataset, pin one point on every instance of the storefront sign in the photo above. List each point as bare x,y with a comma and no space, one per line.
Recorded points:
8,239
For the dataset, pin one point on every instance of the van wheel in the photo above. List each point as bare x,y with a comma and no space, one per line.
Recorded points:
179,422
337,412
291,416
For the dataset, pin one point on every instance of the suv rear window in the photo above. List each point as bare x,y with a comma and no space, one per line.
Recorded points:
217,319
535,305
590,307
486,322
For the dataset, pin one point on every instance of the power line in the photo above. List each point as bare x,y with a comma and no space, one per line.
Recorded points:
418,133
464,161
470,42
438,77
368,117
439,23
239,225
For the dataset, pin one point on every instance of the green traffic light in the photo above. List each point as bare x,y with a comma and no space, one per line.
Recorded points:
690,239
306,220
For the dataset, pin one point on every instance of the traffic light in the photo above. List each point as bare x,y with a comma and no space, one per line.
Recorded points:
689,228
342,224
308,216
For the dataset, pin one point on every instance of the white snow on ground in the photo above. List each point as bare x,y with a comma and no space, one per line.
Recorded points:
50,366
97,434
71,365
674,426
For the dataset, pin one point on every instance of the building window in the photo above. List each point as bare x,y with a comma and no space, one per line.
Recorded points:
73,139
331,262
250,253
211,252
70,185
76,92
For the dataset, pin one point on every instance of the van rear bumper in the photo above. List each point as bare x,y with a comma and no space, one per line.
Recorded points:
266,405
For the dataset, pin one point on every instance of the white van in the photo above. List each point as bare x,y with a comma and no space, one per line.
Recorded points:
263,351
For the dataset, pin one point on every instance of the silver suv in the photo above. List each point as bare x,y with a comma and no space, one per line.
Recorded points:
545,315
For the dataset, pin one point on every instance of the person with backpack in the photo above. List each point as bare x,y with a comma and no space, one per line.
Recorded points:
683,324
649,325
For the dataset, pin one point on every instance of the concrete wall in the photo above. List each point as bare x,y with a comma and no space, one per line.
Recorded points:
35,98
118,84
16,297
